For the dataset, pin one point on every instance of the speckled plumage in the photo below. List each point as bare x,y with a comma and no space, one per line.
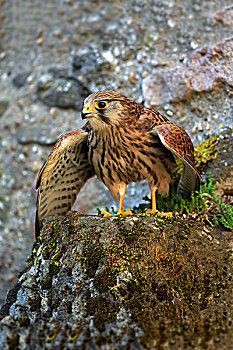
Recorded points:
122,142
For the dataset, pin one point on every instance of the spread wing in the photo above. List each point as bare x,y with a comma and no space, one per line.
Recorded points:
179,143
60,179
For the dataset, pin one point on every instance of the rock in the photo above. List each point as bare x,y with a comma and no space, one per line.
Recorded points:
20,79
3,106
224,16
90,60
207,68
221,169
162,87
90,65
56,89
6,183
61,72
122,283
31,135
210,66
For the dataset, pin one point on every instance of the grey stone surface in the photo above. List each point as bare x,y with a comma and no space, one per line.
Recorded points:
20,79
221,169
3,106
118,44
60,92
207,67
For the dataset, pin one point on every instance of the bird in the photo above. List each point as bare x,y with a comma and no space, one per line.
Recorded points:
121,142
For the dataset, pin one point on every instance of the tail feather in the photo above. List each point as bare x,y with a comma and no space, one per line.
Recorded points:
37,225
189,181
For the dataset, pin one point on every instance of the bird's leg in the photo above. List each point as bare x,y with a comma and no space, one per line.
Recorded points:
154,210
120,211
120,207
122,190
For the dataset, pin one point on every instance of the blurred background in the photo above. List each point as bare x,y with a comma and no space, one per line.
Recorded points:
175,56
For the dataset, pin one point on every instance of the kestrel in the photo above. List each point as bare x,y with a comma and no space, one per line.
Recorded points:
122,142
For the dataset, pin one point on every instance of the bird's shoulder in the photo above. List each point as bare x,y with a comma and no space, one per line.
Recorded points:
68,139
149,118
65,142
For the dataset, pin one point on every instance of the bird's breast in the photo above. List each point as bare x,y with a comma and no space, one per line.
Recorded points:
127,156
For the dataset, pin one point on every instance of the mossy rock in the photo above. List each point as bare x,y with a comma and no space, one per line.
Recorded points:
124,283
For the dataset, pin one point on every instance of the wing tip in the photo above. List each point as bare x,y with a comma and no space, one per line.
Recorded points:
37,225
190,179
198,182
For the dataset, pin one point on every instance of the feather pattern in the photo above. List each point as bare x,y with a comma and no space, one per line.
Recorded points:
62,176
179,143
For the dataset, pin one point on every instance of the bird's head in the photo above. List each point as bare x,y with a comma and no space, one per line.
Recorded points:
109,108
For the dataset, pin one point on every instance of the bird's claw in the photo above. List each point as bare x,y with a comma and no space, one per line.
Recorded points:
126,212
151,212
106,214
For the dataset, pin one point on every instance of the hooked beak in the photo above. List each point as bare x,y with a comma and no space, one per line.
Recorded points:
87,112
85,115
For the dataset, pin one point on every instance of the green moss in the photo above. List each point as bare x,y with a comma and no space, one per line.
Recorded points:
104,280
226,218
47,282
54,267
206,151
102,311
49,237
24,321
91,256
130,232
35,303
13,342
170,274
35,248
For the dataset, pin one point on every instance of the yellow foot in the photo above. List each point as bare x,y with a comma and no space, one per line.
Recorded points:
158,213
126,212
151,211
105,213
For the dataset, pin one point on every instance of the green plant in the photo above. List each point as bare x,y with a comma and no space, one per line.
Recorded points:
226,218
203,202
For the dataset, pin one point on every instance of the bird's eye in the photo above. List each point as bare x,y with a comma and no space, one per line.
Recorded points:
101,104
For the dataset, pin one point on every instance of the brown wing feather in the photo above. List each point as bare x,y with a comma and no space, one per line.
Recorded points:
179,143
62,176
